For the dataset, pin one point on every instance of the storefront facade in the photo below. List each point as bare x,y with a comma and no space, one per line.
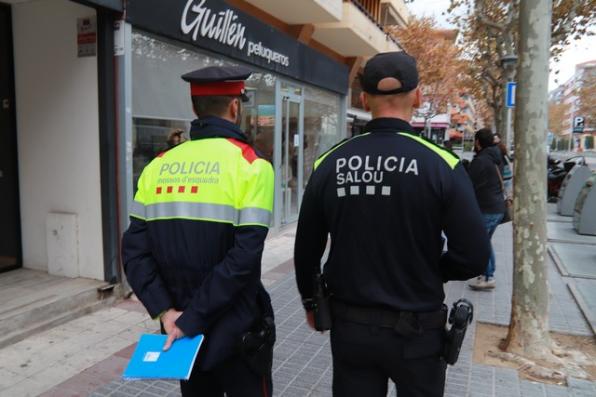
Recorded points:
297,101
57,173
91,89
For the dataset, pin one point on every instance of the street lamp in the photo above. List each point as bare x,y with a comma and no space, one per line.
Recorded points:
508,63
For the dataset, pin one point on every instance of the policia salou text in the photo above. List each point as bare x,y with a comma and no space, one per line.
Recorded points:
192,253
385,197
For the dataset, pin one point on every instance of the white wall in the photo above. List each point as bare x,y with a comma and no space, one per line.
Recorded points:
58,130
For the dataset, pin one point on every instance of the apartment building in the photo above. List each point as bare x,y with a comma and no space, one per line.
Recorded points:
567,93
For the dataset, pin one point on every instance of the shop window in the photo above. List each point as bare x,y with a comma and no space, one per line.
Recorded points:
151,137
258,114
355,91
321,125
161,99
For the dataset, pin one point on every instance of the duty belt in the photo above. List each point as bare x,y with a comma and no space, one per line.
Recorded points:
403,322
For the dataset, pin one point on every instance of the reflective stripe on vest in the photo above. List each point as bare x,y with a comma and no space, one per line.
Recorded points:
333,149
138,210
448,157
203,211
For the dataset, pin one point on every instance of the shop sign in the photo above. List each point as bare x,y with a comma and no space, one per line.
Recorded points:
578,124
86,36
510,90
215,26
226,28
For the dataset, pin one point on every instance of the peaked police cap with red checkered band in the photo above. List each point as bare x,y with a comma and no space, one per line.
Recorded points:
218,81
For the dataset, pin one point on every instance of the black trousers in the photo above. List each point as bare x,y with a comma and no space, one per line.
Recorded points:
233,378
365,357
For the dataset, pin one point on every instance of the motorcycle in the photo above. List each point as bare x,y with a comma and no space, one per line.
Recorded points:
557,171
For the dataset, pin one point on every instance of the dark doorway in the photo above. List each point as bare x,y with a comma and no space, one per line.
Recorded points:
10,233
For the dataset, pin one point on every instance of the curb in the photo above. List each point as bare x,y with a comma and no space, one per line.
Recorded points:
583,306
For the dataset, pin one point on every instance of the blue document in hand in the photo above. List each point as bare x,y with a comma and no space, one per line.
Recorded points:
149,361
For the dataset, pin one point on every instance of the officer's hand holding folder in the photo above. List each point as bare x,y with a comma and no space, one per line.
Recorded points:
150,361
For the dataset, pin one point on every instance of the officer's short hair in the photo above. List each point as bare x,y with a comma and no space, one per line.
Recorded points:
211,105
485,137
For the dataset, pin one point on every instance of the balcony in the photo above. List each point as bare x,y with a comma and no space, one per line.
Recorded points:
358,33
384,12
394,12
295,12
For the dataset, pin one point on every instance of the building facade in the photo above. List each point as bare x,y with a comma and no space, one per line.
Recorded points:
92,90
465,119
567,93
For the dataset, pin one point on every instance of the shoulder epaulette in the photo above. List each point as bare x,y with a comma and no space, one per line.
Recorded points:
334,148
449,157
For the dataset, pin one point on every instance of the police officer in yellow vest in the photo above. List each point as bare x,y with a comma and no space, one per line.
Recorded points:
192,253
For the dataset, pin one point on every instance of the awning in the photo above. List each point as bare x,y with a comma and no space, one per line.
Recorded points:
455,134
115,5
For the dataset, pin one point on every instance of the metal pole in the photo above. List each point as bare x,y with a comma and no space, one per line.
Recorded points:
124,68
508,129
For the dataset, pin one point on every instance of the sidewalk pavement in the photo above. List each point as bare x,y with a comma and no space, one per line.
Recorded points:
302,358
77,357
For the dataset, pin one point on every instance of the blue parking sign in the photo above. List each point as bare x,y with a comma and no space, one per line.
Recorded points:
510,94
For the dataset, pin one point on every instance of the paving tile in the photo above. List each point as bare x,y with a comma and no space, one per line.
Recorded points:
127,351
54,374
24,388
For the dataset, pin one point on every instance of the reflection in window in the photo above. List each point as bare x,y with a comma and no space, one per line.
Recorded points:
321,125
258,114
161,99
150,138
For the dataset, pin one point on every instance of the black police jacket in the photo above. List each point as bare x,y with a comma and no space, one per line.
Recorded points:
484,173
385,197
203,258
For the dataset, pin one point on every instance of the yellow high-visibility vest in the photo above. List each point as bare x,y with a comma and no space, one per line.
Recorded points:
211,179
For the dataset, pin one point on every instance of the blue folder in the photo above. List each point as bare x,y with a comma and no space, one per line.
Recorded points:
149,361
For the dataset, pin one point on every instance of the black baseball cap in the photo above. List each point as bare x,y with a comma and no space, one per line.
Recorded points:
389,73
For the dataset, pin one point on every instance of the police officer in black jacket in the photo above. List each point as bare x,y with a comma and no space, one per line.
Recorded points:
385,197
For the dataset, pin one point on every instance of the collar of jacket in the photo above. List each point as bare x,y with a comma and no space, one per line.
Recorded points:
492,152
215,127
389,124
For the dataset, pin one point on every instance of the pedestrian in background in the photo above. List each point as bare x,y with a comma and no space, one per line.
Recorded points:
485,171
507,169
385,197
175,138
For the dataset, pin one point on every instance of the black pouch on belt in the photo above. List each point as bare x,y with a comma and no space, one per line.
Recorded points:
256,347
322,308
460,316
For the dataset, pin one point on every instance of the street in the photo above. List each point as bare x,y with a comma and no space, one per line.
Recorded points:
589,156
79,366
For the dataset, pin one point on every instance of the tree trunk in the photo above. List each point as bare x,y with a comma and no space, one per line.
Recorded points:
528,331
